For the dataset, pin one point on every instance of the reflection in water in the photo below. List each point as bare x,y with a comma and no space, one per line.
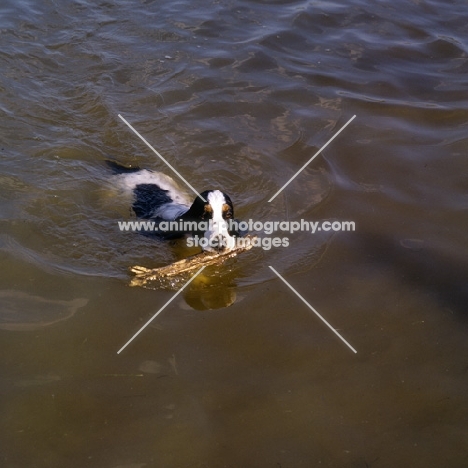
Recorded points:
38,380
206,292
20,311
213,288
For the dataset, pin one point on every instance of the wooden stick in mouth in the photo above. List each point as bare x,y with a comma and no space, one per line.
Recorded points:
145,275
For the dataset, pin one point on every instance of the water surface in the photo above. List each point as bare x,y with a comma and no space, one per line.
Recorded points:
236,372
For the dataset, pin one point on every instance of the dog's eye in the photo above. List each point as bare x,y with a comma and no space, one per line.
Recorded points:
208,210
227,211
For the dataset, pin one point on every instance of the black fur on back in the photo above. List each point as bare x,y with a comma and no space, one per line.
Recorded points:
148,197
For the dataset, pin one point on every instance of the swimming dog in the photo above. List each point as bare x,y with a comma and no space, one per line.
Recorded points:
157,198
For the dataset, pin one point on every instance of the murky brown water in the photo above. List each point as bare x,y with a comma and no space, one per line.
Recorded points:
237,95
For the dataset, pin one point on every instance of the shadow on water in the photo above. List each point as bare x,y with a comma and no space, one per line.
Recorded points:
422,267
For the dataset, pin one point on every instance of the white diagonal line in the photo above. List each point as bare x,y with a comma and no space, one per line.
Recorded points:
312,158
313,310
160,310
159,155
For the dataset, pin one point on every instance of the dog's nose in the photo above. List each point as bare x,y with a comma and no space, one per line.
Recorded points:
219,243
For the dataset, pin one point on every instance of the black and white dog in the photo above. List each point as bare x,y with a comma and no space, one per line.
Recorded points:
158,198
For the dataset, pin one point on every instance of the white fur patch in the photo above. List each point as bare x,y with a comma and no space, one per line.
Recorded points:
218,227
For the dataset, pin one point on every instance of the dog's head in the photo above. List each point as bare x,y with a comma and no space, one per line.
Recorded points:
216,212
